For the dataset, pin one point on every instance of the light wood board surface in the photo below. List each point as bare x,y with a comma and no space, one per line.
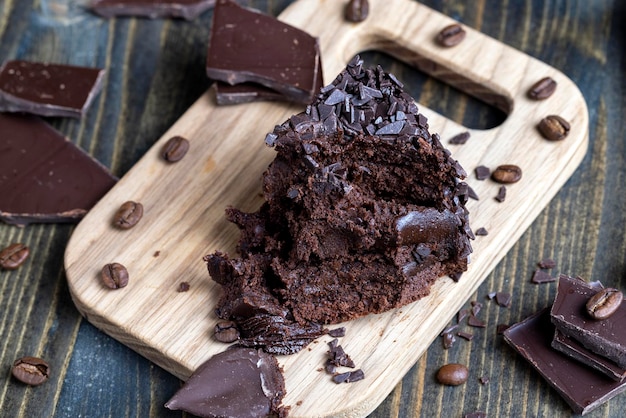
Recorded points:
184,206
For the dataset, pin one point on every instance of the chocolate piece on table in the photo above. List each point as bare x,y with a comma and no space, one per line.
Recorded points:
605,337
43,176
540,276
238,382
583,388
186,9
48,89
547,263
248,46
577,351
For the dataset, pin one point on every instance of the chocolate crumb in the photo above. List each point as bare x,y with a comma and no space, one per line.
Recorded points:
547,263
503,299
338,356
460,139
481,232
183,287
501,196
456,276
483,380
540,277
482,172
491,295
471,193
156,254
472,321
465,335
337,332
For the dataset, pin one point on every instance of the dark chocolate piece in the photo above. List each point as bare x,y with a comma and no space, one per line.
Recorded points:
186,9
577,351
239,382
460,139
547,263
583,388
248,46
465,335
540,276
605,337
501,196
503,299
481,232
43,176
48,89
473,321
482,172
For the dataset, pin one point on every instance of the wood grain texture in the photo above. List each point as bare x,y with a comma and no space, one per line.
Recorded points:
582,228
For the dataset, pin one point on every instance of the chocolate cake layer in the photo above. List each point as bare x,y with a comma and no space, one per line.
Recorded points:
248,46
583,388
365,210
43,176
47,89
239,382
605,337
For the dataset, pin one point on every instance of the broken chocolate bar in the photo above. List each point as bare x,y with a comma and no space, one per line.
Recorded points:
583,388
605,337
248,46
186,9
48,89
239,382
43,176
578,352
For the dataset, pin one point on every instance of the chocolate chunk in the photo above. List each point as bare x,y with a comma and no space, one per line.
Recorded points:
577,351
481,232
472,321
465,335
460,139
605,337
501,196
503,299
48,89
337,332
547,263
348,377
242,382
337,355
583,388
186,9
43,176
471,193
482,172
540,276
290,60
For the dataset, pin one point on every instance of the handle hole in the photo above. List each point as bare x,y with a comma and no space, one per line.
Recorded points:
443,98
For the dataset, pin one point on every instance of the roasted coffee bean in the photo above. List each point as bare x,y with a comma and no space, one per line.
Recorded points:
226,332
31,370
453,374
451,35
542,89
357,10
128,215
554,128
114,275
175,149
506,174
604,303
13,256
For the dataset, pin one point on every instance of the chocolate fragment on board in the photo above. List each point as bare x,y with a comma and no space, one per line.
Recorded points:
186,9
43,176
460,139
605,337
289,64
547,263
482,172
582,387
48,89
238,382
540,277
481,232
501,196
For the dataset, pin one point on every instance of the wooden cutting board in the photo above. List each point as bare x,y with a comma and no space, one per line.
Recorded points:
184,206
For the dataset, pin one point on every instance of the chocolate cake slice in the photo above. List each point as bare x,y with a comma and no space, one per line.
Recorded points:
364,211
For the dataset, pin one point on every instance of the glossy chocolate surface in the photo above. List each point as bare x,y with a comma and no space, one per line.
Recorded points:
582,387
47,89
43,176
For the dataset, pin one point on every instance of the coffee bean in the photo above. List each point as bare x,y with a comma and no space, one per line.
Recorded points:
357,10
604,303
451,35
226,332
175,149
542,89
128,215
452,374
114,275
506,174
31,370
554,128
13,256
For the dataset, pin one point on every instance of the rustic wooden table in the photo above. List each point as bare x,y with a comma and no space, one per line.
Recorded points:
155,70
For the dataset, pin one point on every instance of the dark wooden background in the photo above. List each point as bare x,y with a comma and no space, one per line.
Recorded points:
155,70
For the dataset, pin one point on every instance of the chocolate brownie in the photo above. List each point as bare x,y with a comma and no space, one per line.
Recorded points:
364,211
